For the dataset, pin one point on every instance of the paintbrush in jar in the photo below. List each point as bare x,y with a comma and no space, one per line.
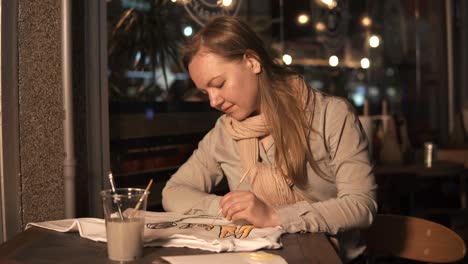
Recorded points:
112,184
142,198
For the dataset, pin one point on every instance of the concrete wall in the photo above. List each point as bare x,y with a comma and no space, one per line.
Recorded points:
40,110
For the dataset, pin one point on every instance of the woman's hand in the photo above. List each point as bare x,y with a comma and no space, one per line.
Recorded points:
244,205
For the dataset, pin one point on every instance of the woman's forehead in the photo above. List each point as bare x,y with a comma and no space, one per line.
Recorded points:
206,66
208,61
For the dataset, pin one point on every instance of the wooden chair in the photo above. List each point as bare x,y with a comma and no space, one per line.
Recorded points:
414,239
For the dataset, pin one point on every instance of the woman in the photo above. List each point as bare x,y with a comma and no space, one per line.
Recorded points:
304,152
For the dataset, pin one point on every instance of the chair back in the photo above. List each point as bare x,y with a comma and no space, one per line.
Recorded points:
413,238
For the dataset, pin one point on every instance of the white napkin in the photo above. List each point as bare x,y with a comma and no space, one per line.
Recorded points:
177,230
226,258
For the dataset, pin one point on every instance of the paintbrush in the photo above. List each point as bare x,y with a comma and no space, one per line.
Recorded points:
237,187
112,184
137,206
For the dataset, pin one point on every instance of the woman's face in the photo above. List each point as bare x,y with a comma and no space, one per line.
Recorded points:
232,86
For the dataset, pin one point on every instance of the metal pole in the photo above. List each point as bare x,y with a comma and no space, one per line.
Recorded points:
448,20
10,166
69,164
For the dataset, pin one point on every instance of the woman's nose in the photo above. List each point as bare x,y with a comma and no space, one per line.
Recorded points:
215,99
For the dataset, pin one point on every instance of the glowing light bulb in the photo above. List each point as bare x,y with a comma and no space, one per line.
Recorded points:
226,3
374,41
366,21
391,91
303,19
373,92
358,99
333,61
320,27
365,63
329,3
287,59
188,31
173,1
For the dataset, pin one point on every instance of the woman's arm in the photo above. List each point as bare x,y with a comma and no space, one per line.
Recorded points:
355,205
187,191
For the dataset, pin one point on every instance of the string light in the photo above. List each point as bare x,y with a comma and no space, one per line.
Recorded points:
365,63
188,31
320,26
333,61
327,3
391,92
366,21
303,19
374,41
226,3
287,59
373,91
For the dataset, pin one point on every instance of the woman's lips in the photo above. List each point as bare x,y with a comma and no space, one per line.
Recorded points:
226,109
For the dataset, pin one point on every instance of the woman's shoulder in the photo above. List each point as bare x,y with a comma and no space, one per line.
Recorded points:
321,101
338,105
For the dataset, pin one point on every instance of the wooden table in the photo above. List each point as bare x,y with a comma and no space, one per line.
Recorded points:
397,181
37,245
438,169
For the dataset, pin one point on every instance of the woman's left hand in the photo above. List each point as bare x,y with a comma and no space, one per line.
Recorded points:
244,205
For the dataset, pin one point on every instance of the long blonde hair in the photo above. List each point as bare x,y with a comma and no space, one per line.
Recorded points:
283,110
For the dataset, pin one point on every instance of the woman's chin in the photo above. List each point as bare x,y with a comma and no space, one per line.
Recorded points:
237,116
240,115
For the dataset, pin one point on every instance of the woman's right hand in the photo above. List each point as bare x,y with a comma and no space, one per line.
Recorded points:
245,205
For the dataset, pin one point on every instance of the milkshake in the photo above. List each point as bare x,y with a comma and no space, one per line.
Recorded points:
125,239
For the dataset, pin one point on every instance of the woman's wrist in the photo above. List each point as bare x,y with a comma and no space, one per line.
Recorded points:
274,218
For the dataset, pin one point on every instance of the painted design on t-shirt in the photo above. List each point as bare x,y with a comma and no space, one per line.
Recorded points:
225,231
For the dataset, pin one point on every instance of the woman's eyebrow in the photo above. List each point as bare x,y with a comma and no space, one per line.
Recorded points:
211,80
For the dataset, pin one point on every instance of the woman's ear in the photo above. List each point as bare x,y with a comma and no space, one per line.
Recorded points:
253,63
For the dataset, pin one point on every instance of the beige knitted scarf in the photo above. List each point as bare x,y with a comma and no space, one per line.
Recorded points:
266,181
